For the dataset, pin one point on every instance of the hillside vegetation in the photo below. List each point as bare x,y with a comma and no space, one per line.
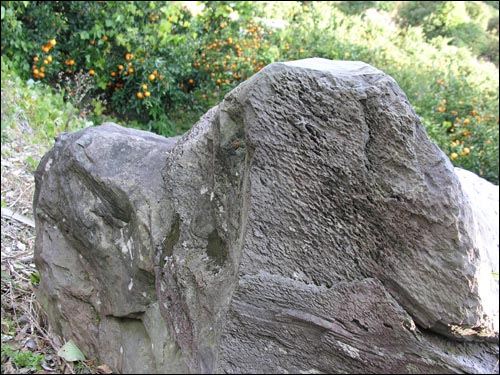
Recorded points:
160,65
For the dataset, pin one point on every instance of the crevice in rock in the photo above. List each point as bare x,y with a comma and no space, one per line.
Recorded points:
133,316
360,325
367,145
216,249
459,332
387,325
172,238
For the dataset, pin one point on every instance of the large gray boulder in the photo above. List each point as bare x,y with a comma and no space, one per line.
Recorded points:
304,225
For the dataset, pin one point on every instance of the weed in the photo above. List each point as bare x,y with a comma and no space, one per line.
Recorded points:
21,360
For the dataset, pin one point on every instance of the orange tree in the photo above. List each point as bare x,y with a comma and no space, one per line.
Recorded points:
137,53
151,62
234,47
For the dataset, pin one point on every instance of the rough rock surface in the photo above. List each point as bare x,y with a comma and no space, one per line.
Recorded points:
304,225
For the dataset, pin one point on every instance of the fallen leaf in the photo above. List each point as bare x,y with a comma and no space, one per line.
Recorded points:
104,369
70,352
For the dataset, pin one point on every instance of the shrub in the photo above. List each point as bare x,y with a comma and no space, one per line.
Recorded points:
414,13
35,107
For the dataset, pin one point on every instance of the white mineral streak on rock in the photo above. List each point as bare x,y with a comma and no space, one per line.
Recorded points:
349,350
47,166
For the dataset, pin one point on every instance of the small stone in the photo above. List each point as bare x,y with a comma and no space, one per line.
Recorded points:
21,246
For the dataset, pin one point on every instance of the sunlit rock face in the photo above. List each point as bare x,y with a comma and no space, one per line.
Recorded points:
304,225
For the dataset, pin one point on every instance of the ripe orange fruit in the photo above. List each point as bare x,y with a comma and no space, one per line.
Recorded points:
113,74
147,94
144,87
49,59
46,62
104,37
120,67
91,72
131,70
36,72
191,81
152,77
52,42
35,59
139,95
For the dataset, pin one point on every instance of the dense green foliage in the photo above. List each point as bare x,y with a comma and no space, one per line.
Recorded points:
160,65
22,359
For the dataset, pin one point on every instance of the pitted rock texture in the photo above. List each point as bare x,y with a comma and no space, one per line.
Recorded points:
304,225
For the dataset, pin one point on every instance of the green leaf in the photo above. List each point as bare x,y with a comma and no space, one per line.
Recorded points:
35,277
120,39
84,35
101,84
3,12
31,162
70,352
